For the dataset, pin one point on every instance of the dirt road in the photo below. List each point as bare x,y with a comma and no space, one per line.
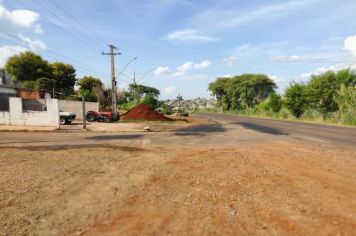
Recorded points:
222,179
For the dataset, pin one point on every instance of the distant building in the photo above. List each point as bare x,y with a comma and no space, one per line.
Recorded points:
192,104
3,77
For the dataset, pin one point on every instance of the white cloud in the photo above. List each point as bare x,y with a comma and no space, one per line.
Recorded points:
230,60
189,35
292,58
350,44
227,76
321,70
8,51
235,17
169,90
203,65
161,70
18,20
33,45
181,70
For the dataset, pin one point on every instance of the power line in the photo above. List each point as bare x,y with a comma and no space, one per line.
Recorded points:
55,56
61,19
58,26
77,21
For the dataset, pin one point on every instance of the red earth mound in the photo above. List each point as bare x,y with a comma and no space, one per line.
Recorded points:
144,112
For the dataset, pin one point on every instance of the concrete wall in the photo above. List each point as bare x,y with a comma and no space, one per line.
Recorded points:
16,116
64,105
76,107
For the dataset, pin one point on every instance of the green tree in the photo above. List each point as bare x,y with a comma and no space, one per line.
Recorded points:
45,84
91,88
29,84
219,89
63,76
295,98
274,102
27,66
244,91
137,91
89,83
321,89
151,101
346,98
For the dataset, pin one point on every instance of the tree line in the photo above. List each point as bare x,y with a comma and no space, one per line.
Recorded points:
330,96
30,71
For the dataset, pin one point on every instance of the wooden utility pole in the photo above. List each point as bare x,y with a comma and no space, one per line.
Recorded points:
84,114
112,55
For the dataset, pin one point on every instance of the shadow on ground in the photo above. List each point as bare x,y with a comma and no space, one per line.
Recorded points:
200,130
260,128
74,146
115,137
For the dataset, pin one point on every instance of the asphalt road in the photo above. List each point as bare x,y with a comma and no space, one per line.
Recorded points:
228,130
345,136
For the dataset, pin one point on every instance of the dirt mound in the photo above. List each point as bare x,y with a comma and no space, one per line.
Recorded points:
144,112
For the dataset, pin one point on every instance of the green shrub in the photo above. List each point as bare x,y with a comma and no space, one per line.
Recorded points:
274,102
312,114
29,84
151,101
284,113
295,99
89,96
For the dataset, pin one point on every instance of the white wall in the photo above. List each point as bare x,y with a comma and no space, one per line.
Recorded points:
73,106
33,118
6,90
76,107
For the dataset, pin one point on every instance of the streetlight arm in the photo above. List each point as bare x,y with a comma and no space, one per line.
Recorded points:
126,66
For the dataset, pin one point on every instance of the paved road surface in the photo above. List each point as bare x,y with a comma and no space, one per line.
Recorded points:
229,130
315,132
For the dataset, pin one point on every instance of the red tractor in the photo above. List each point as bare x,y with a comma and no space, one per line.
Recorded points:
99,116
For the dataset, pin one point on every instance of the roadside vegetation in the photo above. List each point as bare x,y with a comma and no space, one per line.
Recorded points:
329,97
28,70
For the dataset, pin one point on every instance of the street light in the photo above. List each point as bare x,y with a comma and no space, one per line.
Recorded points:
135,58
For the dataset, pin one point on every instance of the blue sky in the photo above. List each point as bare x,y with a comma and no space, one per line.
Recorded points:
184,45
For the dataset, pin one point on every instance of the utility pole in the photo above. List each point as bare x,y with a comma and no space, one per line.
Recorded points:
112,55
135,88
180,98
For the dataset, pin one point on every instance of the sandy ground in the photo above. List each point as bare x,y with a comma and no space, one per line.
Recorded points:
275,187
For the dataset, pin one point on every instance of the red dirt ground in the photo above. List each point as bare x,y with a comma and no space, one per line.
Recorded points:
144,112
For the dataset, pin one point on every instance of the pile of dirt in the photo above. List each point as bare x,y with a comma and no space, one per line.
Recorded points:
144,112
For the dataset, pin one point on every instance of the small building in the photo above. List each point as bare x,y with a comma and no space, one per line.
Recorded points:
5,93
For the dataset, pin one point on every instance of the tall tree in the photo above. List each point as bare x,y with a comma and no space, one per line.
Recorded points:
27,66
137,91
91,88
242,91
295,98
321,89
63,76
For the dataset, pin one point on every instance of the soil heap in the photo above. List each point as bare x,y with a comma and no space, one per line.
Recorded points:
144,112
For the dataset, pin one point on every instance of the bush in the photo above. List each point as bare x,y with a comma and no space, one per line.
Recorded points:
29,84
151,101
312,114
284,113
348,117
274,102
296,100
89,96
